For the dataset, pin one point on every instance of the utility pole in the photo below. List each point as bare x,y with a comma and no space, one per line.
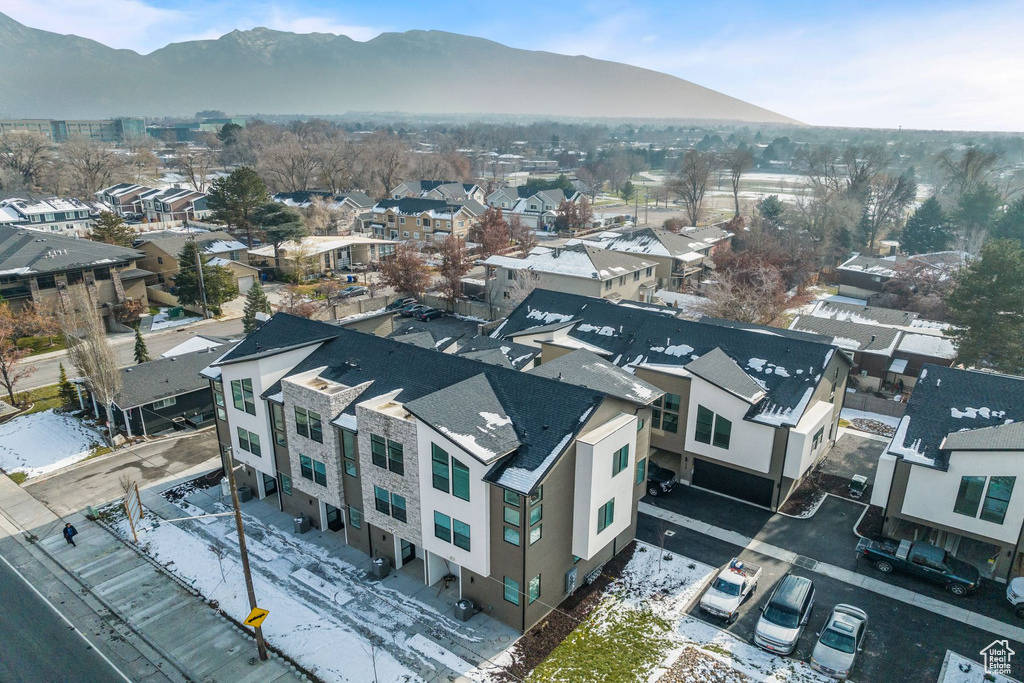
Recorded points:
202,285
260,644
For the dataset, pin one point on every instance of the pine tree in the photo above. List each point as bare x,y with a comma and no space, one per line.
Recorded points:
66,390
927,230
255,302
141,352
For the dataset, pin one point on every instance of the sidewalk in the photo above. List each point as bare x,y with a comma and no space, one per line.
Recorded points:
189,635
845,575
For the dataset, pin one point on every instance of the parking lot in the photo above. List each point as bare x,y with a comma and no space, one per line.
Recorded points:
892,651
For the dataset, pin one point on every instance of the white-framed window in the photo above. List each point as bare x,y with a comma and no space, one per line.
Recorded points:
164,403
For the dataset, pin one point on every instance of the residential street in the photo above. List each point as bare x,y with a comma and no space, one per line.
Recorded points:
48,367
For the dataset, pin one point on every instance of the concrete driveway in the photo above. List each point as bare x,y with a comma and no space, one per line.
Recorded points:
853,455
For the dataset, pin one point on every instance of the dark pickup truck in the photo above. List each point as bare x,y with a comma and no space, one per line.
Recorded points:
924,560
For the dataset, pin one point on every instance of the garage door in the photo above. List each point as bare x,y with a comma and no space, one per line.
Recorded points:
742,485
244,283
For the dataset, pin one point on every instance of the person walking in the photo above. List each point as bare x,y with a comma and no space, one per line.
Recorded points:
69,534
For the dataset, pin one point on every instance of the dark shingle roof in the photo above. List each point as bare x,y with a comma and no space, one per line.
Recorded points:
1005,437
631,336
585,369
850,335
417,205
948,401
482,347
147,382
281,332
764,329
27,252
865,314
209,242
722,371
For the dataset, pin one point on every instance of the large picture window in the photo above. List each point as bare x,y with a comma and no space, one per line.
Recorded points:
712,429
620,460
439,467
605,515
242,396
460,480
997,499
968,498
665,413
443,527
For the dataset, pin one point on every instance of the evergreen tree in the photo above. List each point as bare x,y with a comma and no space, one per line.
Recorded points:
977,211
111,229
1010,226
927,230
234,199
628,190
279,224
255,302
987,306
219,282
141,352
65,389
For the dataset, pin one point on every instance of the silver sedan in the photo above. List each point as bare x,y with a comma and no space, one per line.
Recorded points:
840,641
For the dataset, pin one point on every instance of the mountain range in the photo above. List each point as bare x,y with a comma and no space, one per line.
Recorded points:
262,71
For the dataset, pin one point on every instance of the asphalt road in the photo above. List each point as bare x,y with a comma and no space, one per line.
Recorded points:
48,369
904,643
36,644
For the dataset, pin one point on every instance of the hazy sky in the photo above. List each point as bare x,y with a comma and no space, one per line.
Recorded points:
916,64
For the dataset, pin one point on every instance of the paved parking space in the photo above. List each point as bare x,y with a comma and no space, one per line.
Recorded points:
893,651
853,455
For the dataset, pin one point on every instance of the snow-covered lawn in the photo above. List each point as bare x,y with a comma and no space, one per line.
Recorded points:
162,321
958,669
324,613
42,442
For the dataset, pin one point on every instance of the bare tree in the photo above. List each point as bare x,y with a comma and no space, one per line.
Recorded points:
888,199
289,165
386,159
521,234
738,162
757,296
863,165
323,217
295,302
141,161
455,263
27,154
89,348
405,271
91,165
968,170
196,164
517,290
691,184
491,232
336,164
12,367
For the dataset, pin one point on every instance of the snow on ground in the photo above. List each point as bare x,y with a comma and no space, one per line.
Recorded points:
873,423
42,442
162,321
958,669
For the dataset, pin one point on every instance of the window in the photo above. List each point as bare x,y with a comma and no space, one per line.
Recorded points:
640,424
968,498
607,284
439,467
511,516
443,527
319,473
605,515
641,471
277,424
160,259
536,514
381,500
242,396
314,470
460,480
535,533
378,451
537,497
348,449
723,430
306,467
997,499
620,460
636,276
511,498
816,441
533,590
650,271
286,483
164,403
512,591
355,517
309,424
249,441
398,507
705,425
396,459
622,280
511,535
460,534
665,414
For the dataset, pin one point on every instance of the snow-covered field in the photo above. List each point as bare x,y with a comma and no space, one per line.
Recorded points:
42,442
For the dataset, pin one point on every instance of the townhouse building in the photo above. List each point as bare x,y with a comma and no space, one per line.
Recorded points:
423,220
52,215
175,204
508,486
127,199
444,190
745,412
351,210
949,474
535,210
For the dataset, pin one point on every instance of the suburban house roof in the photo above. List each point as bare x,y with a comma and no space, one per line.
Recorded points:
317,244
580,260
719,369
849,335
869,315
632,336
305,198
172,242
145,383
661,242
282,332
27,252
765,329
544,414
585,369
953,409
415,206
873,265
487,350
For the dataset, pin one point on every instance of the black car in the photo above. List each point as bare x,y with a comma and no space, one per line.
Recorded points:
659,479
399,304
353,290
428,314
412,309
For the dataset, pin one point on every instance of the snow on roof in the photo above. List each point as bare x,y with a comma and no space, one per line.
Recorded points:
928,345
911,453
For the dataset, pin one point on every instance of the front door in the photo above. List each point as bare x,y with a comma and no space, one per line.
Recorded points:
334,518
408,551
269,484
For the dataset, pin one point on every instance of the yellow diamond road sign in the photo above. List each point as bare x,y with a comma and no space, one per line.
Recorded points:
256,617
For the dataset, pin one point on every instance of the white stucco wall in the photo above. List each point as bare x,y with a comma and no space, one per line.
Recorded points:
883,480
595,485
475,512
799,452
931,493
750,445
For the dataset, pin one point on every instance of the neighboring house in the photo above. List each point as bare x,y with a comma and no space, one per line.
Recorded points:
35,267
882,354
445,190
127,199
63,216
514,487
746,413
949,475
536,210
352,209
175,204
159,396
62,130
423,220
683,259
579,269
161,251
323,255
864,276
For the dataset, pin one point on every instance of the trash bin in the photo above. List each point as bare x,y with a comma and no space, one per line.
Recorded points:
464,610
302,524
381,567
175,312
225,487
244,494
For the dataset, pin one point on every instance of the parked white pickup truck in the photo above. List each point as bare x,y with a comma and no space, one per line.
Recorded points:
730,588
1015,594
